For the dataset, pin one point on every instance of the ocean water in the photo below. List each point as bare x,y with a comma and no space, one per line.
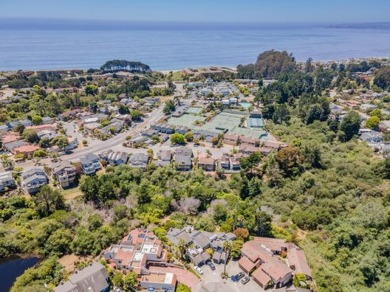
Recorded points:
48,44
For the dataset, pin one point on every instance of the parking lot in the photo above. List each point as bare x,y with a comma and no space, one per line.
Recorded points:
212,281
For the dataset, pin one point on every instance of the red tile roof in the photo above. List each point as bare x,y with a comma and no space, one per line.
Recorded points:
276,269
26,149
260,277
273,244
297,261
246,264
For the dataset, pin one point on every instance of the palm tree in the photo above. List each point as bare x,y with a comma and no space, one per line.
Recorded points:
227,247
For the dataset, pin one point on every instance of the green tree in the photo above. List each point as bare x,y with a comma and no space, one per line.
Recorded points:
91,90
117,279
136,115
189,136
36,120
376,113
350,125
130,281
373,122
47,201
182,288
30,136
61,141
178,138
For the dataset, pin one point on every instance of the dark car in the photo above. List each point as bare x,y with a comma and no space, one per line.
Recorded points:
245,280
211,265
240,275
234,278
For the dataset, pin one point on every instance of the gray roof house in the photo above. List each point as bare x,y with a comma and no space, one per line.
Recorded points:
33,179
183,159
6,181
164,157
90,164
114,158
90,279
64,173
139,160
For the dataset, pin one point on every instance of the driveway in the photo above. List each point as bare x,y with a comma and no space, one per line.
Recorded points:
212,281
183,276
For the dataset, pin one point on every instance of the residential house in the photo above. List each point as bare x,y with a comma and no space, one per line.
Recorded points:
93,278
235,164
90,128
384,126
165,282
6,181
231,139
11,146
183,159
372,137
164,157
206,163
33,179
26,150
198,241
138,141
261,256
90,164
224,162
135,251
249,141
272,270
248,149
114,158
298,262
64,173
139,160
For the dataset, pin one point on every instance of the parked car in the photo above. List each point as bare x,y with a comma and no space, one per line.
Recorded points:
211,265
245,280
198,270
240,275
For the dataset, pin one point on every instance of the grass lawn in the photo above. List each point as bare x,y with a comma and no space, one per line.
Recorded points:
71,194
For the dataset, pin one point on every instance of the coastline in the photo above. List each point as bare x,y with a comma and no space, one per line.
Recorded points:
167,71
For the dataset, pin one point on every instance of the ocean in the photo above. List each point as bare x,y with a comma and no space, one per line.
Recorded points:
63,44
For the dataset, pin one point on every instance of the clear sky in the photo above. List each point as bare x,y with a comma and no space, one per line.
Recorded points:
340,11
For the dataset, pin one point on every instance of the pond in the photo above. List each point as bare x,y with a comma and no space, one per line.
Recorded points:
10,269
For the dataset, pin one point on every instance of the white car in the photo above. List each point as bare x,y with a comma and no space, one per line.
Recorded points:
198,270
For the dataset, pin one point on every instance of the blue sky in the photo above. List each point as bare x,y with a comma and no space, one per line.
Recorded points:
340,11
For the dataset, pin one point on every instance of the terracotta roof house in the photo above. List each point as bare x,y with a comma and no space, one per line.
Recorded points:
274,144
134,252
248,149
11,146
261,278
261,255
224,162
26,150
298,262
92,278
230,139
249,141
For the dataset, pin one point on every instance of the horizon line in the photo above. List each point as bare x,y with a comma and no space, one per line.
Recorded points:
123,21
